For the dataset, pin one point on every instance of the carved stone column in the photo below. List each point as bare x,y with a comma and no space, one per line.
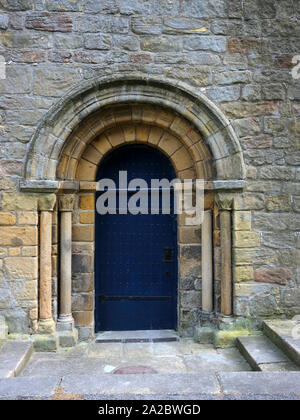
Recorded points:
46,205
224,202
65,320
207,269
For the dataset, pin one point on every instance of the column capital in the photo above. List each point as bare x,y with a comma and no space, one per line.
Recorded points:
46,202
224,201
66,202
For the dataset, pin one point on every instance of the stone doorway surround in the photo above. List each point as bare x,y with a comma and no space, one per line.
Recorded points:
61,165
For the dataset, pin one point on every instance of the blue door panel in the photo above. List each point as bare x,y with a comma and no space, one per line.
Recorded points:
136,255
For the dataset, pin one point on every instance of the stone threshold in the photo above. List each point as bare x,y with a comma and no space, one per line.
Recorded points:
140,336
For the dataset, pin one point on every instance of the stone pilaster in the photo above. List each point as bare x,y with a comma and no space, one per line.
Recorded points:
207,269
65,320
46,204
225,202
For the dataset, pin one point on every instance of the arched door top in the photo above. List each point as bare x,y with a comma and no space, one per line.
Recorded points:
56,128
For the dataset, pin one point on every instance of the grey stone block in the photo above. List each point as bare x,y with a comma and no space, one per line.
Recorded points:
28,387
260,383
13,357
140,384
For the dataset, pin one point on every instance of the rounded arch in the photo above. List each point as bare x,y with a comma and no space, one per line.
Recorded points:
76,110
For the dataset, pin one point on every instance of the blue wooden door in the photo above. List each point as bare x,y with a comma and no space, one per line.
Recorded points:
136,255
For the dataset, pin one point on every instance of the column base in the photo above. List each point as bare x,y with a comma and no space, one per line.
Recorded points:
67,338
45,342
46,326
65,323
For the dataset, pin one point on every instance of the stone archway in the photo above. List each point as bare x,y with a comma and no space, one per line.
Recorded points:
76,134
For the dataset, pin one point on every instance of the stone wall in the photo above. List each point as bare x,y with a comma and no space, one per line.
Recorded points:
238,53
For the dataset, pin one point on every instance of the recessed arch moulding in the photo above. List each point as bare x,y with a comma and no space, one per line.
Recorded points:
75,134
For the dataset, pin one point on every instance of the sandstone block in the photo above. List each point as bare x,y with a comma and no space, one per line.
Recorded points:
21,267
7,219
242,220
19,201
243,239
27,218
87,217
83,318
83,233
18,236
87,202
243,274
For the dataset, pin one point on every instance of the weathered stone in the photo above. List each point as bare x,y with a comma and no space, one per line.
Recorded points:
243,273
146,25
173,26
243,239
126,42
82,263
83,302
277,172
206,8
159,44
231,77
83,282
48,22
244,45
247,126
17,236
241,110
97,42
64,5
278,203
7,219
101,6
217,44
84,318
18,5
51,81
18,80
273,275
249,201
102,23
224,93
4,21
83,233
242,220
87,202
21,268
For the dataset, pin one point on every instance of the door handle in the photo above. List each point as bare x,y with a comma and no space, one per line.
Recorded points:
168,254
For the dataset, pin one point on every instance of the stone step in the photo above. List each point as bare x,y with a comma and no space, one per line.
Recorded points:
143,336
14,356
286,335
263,355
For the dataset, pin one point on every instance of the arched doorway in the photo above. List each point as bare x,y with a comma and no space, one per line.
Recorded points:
62,162
136,266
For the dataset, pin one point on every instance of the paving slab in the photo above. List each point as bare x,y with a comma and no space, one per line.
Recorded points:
260,383
226,361
28,387
152,336
148,384
13,357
